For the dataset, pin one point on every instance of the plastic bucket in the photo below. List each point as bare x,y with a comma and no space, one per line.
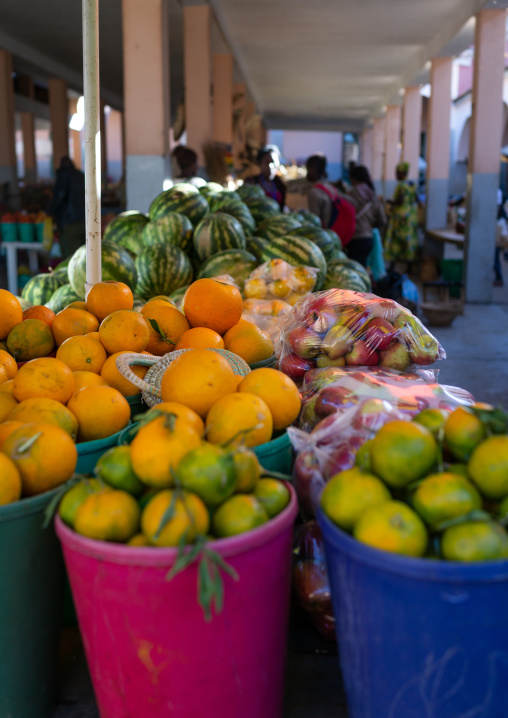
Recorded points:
150,652
32,581
26,231
39,231
418,637
89,452
137,405
271,361
276,455
9,231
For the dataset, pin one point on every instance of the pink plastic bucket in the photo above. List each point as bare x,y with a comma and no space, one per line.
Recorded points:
150,652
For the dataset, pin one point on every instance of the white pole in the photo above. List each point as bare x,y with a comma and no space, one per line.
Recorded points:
92,141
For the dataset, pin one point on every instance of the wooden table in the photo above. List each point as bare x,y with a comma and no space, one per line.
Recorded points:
446,235
11,250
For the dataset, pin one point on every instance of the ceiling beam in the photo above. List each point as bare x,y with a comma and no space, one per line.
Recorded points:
314,124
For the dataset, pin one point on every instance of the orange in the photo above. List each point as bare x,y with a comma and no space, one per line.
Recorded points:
190,519
209,472
488,467
239,419
75,496
278,391
86,378
348,494
138,540
41,410
44,377
124,330
200,338
82,354
249,342
402,452
432,419
157,449
463,431
10,481
93,335
197,379
273,495
237,515
100,410
213,304
107,297
157,301
108,516
30,339
183,413
475,541
10,313
45,456
111,374
7,404
45,314
72,322
79,304
445,496
4,379
9,363
392,526
171,325
247,470
6,429
7,386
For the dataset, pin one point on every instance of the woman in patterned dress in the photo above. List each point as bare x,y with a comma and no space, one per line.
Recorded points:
401,240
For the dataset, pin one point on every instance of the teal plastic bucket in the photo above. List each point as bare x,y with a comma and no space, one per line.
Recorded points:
26,232
271,361
137,405
276,455
89,452
9,231
39,231
32,580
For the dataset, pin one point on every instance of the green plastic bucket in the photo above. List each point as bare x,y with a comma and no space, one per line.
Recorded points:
9,231
32,580
271,361
89,452
39,231
137,405
26,232
276,455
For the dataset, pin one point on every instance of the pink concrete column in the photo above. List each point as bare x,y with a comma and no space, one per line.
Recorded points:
75,137
146,100
378,153
104,146
59,116
8,170
367,148
239,102
114,139
392,152
197,74
411,129
484,153
29,159
222,115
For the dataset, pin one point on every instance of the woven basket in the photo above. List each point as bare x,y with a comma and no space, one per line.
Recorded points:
151,385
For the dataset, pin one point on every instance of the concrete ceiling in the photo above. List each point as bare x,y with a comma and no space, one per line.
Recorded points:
313,64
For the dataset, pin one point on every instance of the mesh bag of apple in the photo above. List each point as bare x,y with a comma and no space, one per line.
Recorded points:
277,279
267,314
339,327
336,389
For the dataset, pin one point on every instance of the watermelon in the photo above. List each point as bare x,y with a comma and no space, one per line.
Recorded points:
211,188
63,296
125,229
261,208
161,269
61,274
341,277
272,227
139,303
297,251
25,304
178,295
174,228
255,246
236,209
319,237
357,268
310,217
250,191
217,232
238,263
117,264
184,198
39,289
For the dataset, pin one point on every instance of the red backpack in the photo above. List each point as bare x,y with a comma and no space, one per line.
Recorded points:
343,220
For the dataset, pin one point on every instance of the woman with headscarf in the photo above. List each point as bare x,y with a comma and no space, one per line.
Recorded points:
268,178
401,237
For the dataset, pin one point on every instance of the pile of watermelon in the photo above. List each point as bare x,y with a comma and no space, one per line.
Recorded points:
189,234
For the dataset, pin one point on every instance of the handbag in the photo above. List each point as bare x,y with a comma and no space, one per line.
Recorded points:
375,260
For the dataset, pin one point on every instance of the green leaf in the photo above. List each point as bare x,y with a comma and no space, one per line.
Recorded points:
184,557
53,505
242,433
167,515
475,515
159,331
275,475
219,589
217,558
29,442
205,589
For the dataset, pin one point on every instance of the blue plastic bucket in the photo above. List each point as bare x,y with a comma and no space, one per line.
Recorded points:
418,638
89,452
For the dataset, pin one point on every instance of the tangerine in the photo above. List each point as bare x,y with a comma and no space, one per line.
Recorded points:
488,467
41,410
239,419
115,468
107,297
11,313
6,429
474,541
44,377
124,330
8,363
392,526
30,339
7,404
181,412
10,481
463,431
445,496
237,515
45,314
78,304
100,410
82,353
278,391
75,496
209,472
247,470
348,494
213,304
112,375
189,520
402,452
167,324
249,342
7,386
87,378
71,322
200,338
273,495
108,516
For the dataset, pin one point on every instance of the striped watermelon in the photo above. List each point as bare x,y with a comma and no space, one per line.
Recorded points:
340,277
238,263
117,263
125,229
357,268
237,209
25,304
297,251
61,274
255,246
319,237
161,269
272,227
178,295
210,189
310,217
262,207
184,198
250,191
39,289
174,228
217,232
63,296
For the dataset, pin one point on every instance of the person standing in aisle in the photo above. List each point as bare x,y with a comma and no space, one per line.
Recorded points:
186,161
67,207
268,178
401,237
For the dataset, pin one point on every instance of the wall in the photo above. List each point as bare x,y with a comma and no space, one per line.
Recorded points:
296,146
